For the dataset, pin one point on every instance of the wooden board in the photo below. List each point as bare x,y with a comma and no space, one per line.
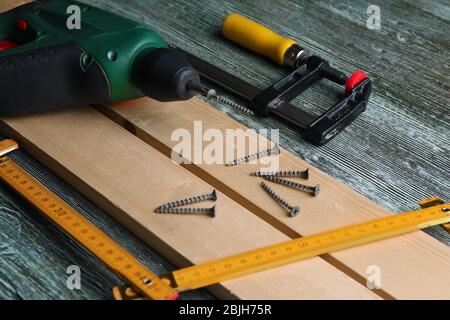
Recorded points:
128,179
425,259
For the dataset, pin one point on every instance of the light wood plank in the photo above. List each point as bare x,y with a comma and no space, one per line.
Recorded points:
128,179
413,266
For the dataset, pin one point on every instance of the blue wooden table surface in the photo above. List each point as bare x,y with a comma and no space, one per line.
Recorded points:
396,153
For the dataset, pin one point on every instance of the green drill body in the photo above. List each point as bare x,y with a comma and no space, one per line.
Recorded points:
111,45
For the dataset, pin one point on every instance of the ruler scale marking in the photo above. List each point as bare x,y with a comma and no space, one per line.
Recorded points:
294,250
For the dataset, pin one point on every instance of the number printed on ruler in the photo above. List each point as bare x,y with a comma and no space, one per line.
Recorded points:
306,247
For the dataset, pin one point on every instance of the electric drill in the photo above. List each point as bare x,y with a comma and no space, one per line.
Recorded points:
44,65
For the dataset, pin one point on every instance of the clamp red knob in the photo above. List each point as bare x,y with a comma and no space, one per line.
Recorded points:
22,25
6,44
354,80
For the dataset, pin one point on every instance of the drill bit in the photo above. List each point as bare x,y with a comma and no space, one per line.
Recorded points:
211,94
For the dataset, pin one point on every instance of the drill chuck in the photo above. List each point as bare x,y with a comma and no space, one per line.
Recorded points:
165,75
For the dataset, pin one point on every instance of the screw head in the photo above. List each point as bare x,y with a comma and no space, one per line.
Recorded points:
213,211
214,195
316,190
276,149
306,174
294,211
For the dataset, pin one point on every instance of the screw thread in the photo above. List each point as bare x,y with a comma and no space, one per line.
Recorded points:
209,211
192,200
297,173
234,105
293,210
315,190
275,196
274,150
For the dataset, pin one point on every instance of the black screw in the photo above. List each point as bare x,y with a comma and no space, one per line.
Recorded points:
290,173
208,211
293,210
234,105
274,150
178,203
315,190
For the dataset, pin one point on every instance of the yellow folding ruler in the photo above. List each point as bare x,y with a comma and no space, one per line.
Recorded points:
145,284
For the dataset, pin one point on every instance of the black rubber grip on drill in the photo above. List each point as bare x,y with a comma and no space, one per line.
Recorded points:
163,74
49,78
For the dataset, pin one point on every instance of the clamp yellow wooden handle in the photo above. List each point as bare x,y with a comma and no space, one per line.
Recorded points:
256,37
